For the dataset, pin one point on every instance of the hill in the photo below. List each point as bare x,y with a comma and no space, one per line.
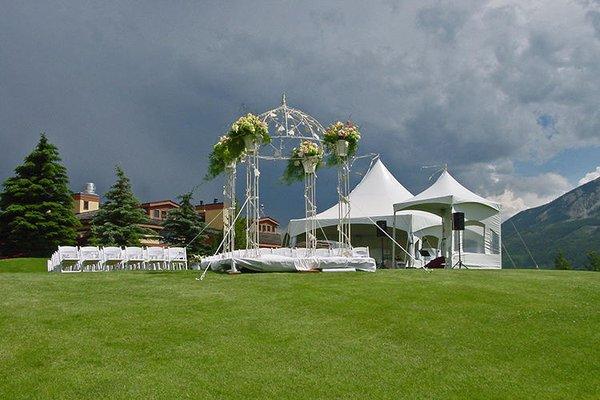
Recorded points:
386,335
570,223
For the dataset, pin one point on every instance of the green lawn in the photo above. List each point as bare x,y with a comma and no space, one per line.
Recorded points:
23,265
390,334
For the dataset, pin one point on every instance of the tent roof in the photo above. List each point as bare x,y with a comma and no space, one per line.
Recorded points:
373,197
445,191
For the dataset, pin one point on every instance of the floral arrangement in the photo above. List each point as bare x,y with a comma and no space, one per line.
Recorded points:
340,131
232,146
250,127
303,159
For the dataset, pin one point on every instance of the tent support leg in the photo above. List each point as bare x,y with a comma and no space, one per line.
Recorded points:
394,266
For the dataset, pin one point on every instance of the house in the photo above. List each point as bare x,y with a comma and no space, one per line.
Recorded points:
87,203
212,214
269,234
87,200
158,210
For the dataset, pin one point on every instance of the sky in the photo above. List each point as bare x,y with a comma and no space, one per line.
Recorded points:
506,93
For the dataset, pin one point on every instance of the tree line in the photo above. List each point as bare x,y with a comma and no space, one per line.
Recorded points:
37,213
563,263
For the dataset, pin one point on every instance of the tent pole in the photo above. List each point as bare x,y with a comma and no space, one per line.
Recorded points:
394,244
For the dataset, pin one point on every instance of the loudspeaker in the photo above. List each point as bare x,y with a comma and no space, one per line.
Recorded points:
458,221
381,225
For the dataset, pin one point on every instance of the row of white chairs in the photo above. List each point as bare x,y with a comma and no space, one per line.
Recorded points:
92,258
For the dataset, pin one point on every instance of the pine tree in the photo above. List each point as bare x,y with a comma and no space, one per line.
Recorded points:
593,263
36,207
561,262
118,220
183,226
240,231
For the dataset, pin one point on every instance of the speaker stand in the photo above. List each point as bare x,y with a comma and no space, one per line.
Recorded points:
459,264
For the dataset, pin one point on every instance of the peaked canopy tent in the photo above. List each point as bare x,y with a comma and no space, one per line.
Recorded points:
372,200
481,242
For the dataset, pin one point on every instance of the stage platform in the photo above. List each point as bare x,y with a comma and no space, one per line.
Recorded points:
293,260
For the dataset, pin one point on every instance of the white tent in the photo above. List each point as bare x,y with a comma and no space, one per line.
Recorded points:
480,247
372,200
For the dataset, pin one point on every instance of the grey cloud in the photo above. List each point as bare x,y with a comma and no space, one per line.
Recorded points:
594,18
151,86
443,22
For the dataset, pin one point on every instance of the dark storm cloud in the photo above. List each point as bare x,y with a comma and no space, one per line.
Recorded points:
151,85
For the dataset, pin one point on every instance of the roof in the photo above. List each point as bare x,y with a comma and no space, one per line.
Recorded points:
86,196
86,215
209,206
160,203
445,191
269,219
373,198
269,238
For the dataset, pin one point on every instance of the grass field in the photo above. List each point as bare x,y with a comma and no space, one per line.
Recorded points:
23,265
390,334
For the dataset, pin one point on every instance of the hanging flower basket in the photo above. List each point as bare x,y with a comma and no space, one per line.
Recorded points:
304,159
244,135
310,164
251,130
341,148
341,140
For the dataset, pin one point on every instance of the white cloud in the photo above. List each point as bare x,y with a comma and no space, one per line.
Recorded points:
517,193
590,176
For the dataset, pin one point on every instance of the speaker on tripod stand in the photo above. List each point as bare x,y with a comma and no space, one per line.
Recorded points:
458,225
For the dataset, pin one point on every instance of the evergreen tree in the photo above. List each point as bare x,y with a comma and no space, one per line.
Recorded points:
561,262
593,263
36,207
183,226
118,220
240,231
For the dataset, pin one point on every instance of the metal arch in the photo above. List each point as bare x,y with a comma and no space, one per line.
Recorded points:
291,123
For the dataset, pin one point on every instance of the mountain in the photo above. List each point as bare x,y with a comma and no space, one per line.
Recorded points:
571,224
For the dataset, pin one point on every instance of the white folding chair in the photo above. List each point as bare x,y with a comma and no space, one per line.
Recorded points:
90,258
68,259
53,262
177,258
155,258
134,258
112,257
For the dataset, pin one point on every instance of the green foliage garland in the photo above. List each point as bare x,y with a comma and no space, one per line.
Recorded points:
231,147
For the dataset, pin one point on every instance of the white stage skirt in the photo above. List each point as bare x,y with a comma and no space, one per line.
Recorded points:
291,260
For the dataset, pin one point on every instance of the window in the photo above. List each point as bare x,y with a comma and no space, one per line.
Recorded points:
156,214
86,205
473,239
495,242
163,214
